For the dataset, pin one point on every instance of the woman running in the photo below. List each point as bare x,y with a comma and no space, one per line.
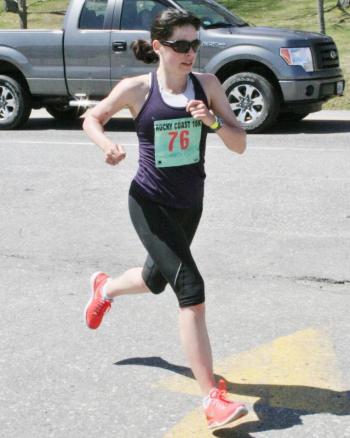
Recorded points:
172,109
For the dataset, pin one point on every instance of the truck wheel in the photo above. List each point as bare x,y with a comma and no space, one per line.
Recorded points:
15,107
253,100
64,112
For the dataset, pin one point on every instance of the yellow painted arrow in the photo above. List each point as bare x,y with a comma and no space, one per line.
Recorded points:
298,372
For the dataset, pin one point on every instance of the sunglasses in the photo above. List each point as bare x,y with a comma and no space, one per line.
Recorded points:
182,46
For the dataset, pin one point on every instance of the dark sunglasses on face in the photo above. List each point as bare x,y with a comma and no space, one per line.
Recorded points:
182,46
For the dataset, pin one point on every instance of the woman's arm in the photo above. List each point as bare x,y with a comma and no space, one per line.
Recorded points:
125,93
231,133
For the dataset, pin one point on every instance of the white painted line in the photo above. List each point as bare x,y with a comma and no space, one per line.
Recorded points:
294,178
48,142
277,148
255,148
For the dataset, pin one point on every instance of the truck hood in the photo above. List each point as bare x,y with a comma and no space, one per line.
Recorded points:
285,36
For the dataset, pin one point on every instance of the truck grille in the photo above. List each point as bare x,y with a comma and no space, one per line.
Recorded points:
326,55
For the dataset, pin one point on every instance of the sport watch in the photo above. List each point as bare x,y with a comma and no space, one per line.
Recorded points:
217,124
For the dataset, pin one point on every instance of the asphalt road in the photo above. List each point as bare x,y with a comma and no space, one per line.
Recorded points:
273,248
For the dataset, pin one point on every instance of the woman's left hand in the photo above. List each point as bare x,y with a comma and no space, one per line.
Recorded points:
199,110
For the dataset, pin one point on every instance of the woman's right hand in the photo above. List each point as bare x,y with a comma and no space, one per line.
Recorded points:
114,155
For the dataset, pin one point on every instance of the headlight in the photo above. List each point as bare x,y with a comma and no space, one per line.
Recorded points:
298,56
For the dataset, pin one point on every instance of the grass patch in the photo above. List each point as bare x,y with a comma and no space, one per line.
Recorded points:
296,14
42,14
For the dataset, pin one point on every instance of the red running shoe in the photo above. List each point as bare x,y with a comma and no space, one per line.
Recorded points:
97,305
219,410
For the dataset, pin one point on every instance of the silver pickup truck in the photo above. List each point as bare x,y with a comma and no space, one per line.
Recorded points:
267,73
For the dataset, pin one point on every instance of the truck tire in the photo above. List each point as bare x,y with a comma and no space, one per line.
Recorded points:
64,112
253,100
15,106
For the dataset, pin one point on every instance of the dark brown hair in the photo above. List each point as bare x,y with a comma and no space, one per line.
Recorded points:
162,29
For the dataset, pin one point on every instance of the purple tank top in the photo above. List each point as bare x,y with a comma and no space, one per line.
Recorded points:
181,186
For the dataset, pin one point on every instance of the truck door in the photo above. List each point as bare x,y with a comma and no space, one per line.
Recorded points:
87,47
132,20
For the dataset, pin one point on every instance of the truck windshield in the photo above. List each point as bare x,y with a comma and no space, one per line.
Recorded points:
211,13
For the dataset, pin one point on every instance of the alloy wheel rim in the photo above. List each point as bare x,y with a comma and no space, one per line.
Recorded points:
7,103
247,103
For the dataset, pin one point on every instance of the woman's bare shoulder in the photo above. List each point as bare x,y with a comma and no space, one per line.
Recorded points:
207,78
132,92
129,91
135,83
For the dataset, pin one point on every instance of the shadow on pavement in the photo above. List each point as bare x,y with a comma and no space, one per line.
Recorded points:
278,407
127,125
37,124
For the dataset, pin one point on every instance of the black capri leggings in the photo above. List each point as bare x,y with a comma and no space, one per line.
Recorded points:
167,233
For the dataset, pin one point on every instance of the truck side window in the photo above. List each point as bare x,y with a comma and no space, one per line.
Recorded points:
93,14
139,14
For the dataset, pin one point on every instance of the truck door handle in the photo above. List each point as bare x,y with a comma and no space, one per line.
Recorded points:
119,46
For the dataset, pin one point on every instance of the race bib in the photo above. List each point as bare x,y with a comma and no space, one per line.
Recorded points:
176,142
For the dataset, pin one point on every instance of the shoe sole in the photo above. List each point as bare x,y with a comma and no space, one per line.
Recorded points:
239,413
92,282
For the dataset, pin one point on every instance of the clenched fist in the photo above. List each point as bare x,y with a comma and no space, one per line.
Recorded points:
200,111
114,155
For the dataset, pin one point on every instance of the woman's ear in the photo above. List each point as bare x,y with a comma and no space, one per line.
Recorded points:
156,46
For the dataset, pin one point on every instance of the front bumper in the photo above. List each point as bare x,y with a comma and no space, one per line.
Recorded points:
315,90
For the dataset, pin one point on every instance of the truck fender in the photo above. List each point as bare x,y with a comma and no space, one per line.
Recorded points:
243,53
16,58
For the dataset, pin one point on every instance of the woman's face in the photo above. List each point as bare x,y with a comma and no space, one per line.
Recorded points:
179,62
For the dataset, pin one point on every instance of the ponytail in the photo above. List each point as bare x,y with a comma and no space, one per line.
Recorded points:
143,51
